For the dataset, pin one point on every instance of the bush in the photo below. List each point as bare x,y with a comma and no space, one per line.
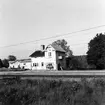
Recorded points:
5,63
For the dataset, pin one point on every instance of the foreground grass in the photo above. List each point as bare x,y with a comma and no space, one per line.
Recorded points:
52,92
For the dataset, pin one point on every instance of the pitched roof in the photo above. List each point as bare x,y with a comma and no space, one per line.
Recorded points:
37,53
40,53
11,62
57,47
24,60
20,60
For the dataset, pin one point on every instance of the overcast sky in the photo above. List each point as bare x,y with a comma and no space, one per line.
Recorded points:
27,20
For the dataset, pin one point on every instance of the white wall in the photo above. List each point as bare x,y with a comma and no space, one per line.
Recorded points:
15,64
38,60
28,65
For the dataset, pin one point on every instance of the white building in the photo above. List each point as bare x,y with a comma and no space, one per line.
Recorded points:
21,64
52,58
14,64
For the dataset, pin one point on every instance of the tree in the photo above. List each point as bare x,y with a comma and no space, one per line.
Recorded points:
1,64
63,44
77,63
5,63
11,58
96,51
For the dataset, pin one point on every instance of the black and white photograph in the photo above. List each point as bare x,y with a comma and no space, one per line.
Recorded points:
52,52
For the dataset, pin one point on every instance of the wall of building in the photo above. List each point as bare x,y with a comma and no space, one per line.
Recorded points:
37,63
28,65
61,61
20,64
14,65
40,63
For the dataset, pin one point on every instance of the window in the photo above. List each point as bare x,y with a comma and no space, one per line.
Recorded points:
35,64
49,54
50,66
42,64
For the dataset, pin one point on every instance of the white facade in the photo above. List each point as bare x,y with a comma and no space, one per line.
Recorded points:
20,64
14,64
28,65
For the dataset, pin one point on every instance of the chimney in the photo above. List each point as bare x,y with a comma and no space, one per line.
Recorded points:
42,47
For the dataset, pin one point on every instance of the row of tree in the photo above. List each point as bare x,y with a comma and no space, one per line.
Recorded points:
96,51
5,62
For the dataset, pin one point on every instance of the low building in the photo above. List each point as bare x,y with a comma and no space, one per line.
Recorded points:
14,64
20,64
26,64
51,57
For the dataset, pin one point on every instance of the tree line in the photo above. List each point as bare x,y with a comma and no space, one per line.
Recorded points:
5,62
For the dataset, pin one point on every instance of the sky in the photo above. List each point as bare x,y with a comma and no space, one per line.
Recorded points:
30,20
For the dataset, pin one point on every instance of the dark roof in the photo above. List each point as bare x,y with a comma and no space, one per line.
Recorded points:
58,47
37,53
24,60
81,57
20,60
40,53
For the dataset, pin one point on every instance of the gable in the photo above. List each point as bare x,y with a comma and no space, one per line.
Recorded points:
50,48
56,47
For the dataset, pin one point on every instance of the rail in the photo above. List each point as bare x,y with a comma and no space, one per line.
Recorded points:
41,73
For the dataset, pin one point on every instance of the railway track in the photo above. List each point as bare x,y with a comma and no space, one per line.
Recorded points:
41,73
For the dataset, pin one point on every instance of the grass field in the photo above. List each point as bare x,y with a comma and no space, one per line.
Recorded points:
62,88
52,92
